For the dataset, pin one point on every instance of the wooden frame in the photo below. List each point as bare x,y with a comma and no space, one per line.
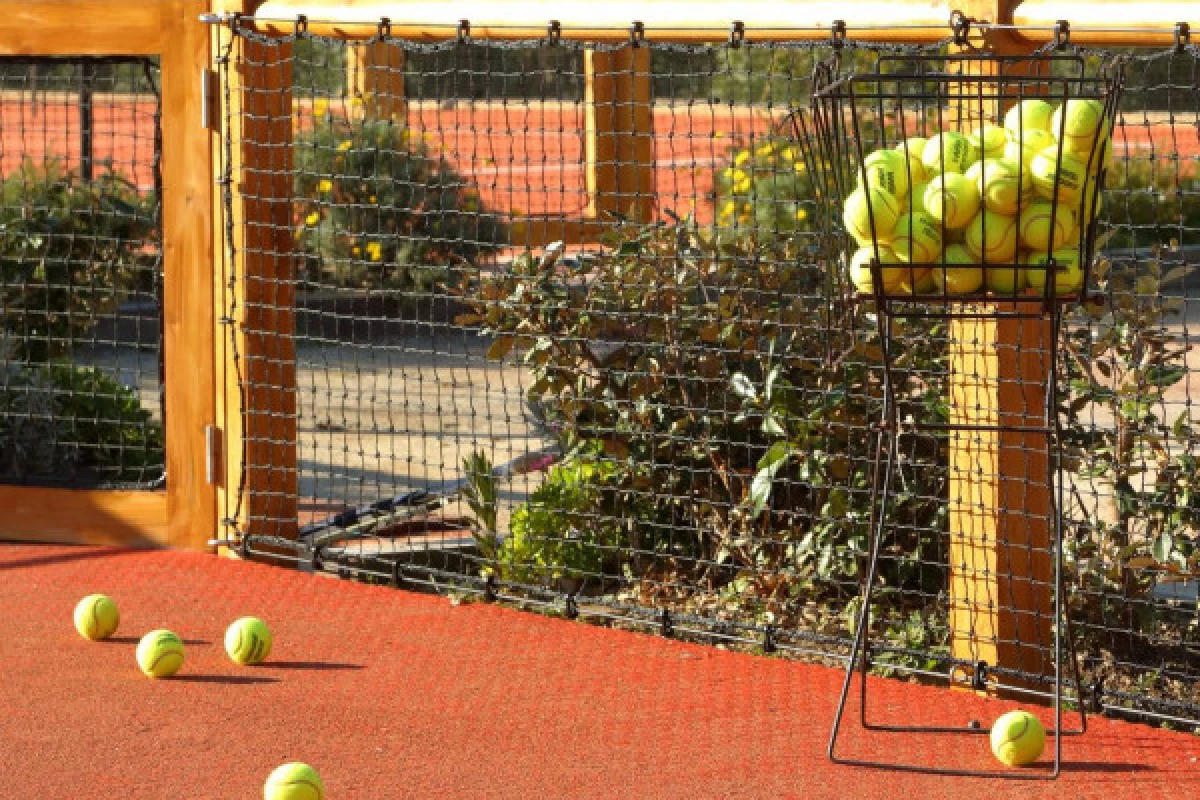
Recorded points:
184,514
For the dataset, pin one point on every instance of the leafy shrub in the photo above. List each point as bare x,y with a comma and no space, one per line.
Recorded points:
61,423
377,210
69,250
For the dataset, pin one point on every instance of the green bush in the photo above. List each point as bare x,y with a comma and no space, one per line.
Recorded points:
70,250
377,210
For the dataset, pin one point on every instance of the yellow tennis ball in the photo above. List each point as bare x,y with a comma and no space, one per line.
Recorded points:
1060,174
917,280
872,205
97,617
887,170
1034,230
948,152
860,269
1022,151
912,148
992,238
918,238
1068,271
1076,124
1018,738
1000,186
957,280
952,199
248,641
916,198
1026,116
989,140
294,781
160,654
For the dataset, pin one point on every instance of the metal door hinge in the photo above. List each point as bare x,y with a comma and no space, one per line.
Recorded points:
212,453
210,105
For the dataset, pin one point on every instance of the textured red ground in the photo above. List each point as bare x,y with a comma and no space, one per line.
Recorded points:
392,694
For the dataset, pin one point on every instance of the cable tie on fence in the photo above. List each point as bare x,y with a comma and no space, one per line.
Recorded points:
489,588
637,34
301,26
464,30
960,23
664,624
1062,34
385,27
737,34
235,21
554,32
1183,36
768,644
837,34
397,577
979,676
570,607
1098,693
318,565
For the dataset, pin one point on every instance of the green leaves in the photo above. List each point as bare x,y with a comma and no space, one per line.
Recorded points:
768,467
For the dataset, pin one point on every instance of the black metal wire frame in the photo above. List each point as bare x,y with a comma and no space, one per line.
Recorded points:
384,362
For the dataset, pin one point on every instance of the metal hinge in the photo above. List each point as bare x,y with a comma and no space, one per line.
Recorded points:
210,104
212,453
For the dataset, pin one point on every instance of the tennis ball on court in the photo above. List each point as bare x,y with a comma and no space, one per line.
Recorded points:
1028,115
248,641
97,617
887,170
1000,186
1068,272
989,140
1018,738
864,206
294,781
912,148
1076,124
860,269
1034,230
918,238
1022,151
952,199
992,238
955,280
948,152
1065,178
160,654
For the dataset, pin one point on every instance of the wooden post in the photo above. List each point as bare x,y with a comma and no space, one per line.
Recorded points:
619,128
257,295
1001,565
375,80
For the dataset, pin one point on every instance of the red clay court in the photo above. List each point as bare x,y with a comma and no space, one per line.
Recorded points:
392,694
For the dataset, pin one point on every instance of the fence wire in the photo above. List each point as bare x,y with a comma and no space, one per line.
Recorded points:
81,401
664,416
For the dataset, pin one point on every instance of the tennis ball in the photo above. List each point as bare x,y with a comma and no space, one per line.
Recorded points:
1022,151
1028,115
887,170
955,280
992,238
1000,186
917,280
294,781
912,148
1018,738
918,238
1068,271
1034,226
916,198
160,654
948,152
97,617
1065,178
860,269
864,205
952,199
1076,124
248,641
989,140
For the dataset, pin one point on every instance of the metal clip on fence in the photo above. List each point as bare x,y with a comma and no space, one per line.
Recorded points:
960,24
464,31
837,34
737,34
1183,36
554,33
385,28
637,34
1062,34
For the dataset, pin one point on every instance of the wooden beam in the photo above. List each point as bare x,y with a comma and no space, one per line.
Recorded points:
74,516
375,80
619,134
84,27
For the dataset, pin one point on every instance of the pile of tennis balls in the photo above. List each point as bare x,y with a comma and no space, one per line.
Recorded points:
991,193
160,654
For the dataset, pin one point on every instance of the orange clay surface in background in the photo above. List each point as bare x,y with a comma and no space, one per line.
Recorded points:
392,694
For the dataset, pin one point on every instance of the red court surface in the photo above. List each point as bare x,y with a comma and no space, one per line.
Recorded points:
393,695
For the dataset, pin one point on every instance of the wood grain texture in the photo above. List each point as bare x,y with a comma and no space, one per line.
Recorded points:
619,134
73,516
375,80
84,27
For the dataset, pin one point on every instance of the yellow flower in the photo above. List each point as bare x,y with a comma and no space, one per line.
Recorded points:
743,218
373,198
742,157
374,251
742,186
718,135
344,146
765,150
799,166
788,154
356,250
728,208
313,218
320,107
801,214
325,186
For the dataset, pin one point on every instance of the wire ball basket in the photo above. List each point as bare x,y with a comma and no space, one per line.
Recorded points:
965,178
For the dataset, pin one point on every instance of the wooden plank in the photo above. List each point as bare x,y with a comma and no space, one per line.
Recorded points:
187,214
375,80
619,134
73,516
84,27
